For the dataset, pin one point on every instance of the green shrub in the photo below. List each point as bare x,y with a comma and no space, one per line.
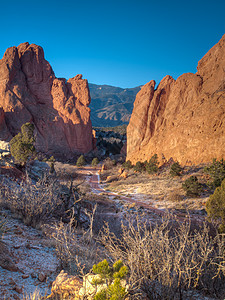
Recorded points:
95,161
192,186
114,162
217,172
139,166
127,165
153,165
175,169
22,145
51,159
81,161
215,206
111,276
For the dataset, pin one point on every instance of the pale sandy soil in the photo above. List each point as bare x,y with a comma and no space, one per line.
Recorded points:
34,256
161,192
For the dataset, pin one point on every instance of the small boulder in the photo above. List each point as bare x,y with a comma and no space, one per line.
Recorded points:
103,168
4,146
124,175
6,261
120,171
89,290
41,277
65,285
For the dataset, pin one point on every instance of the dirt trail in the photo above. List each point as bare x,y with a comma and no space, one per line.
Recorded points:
92,176
95,185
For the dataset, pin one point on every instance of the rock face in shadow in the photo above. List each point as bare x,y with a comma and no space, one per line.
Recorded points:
182,119
30,92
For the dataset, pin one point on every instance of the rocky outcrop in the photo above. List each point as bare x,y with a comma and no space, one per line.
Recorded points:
30,92
182,119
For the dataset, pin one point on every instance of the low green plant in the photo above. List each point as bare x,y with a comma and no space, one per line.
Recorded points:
217,172
111,276
192,186
127,164
95,161
81,161
139,167
51,159
114,162
153,165
215,206
175,169
22,145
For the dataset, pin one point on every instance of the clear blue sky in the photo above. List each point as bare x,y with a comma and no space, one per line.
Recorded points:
122,43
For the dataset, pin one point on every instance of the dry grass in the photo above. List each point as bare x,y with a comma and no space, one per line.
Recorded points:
36,295
167,260
161,191
76,248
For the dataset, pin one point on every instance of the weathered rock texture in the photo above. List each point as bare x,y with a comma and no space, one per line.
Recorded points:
30,92
66,286
182,119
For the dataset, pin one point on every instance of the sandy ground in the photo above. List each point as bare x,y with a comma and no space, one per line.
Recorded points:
157,194
33,255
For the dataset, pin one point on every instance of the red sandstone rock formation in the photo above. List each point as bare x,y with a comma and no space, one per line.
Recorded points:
30,92
182,119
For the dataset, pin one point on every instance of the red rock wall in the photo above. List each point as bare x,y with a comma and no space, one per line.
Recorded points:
182,119
30,92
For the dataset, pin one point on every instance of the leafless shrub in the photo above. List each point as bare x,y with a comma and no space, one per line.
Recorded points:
34,203
167,259
76,249
89,233
175,196
109,163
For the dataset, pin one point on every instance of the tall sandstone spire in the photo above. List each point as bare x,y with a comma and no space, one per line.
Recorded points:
182,119
30,92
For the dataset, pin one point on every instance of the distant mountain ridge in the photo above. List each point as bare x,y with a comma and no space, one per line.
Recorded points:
110,105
